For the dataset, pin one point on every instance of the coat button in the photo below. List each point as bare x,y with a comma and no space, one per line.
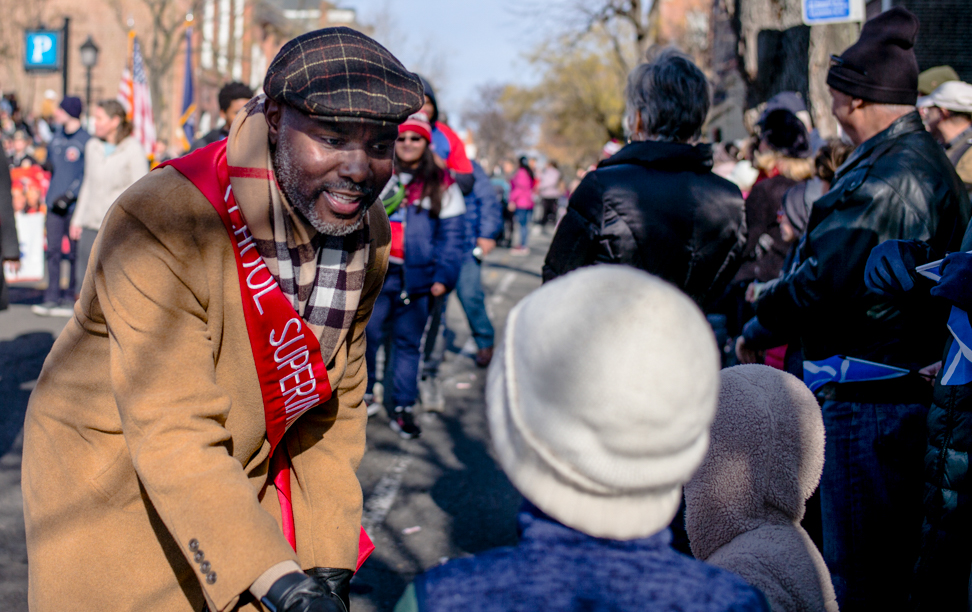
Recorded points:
199,556
211,578
204,567
194,545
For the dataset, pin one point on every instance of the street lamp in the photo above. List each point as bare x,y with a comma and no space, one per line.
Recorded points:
89,57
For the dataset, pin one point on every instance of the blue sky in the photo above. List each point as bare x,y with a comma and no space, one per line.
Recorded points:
477,42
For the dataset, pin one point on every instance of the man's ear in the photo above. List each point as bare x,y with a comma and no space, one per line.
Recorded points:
857,104
274,114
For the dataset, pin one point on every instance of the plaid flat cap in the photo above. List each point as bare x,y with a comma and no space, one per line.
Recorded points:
342,74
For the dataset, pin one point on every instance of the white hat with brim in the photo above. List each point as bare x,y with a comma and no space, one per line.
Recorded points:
955,96
601,397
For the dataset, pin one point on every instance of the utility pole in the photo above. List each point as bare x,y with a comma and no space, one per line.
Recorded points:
64,57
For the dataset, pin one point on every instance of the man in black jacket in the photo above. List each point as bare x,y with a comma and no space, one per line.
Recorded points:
863,350
232,98
656,205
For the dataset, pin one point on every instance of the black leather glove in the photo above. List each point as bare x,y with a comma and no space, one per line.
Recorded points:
956,283
338,581
61,205
297,592
891,266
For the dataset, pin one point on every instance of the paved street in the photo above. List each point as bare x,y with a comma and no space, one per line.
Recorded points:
426,500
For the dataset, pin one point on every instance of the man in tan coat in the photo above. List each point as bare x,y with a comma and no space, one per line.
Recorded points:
147,472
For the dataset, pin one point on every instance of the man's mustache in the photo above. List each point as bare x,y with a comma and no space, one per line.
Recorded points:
367,193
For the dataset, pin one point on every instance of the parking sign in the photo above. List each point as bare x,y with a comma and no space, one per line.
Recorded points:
42,49
819,12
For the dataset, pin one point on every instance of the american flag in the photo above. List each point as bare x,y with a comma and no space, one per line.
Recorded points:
135,96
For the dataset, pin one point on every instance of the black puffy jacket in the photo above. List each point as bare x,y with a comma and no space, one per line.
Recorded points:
658,207
897,185
945,559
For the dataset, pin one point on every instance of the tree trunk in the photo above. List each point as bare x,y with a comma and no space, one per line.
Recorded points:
775,52
826,40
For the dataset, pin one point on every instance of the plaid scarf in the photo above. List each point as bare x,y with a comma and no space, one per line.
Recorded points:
321,275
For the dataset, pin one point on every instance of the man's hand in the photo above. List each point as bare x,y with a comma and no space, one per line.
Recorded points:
75,232
298,592
12,264
438,289
486,245
891,266
930,373
747,355
956,283
441,163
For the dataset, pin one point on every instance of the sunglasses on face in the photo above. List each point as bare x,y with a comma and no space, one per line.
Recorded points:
410,139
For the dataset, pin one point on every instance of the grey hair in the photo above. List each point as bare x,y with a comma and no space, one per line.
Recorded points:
671,94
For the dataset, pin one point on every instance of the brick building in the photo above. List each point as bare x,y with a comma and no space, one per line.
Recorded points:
232,40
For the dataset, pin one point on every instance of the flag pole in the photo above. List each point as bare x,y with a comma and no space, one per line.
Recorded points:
130,64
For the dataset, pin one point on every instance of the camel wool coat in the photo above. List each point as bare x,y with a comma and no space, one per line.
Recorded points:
146,429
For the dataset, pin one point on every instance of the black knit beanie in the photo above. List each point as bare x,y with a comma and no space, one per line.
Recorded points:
881,66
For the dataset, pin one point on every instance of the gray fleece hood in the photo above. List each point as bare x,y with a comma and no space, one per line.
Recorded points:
764,460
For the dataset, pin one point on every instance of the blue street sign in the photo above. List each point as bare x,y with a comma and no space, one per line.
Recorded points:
816,12
42,49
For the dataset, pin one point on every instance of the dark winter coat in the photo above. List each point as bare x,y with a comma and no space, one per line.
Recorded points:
945,561
65,162
656,206
897,185
765,250
9,243
484,212
434,245
558,569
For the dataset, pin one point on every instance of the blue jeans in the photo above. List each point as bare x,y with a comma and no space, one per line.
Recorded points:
406,326
523,216
871,501
469,290
57,229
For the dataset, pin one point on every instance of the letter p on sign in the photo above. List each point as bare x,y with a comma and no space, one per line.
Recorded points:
42,44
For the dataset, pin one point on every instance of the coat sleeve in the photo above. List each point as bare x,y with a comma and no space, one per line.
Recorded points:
84,193
449,238
490,208
578,234
138,165
154,287
833,257
326,444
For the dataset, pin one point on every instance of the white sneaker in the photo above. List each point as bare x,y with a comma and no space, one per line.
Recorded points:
43,310
64,309
431,394
371,405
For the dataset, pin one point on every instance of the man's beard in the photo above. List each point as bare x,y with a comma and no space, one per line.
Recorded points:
305,203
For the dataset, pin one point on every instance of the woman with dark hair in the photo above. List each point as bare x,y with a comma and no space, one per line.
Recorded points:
426,212
521,196
113,161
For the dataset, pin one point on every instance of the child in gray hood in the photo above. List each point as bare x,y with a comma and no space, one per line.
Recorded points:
745,503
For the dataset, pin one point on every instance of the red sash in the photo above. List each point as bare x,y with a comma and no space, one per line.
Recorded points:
287,354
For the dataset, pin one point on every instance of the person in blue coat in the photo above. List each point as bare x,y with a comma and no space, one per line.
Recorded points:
599,411
484,221
426,212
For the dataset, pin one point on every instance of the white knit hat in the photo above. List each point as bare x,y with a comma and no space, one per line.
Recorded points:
601,397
